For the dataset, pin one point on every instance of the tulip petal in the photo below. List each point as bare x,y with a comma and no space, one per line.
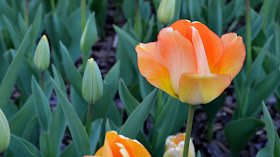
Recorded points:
181,26
125,143
177,52
201,89
152,68
201,59
109,139
140,150
212,44
233,57
99,152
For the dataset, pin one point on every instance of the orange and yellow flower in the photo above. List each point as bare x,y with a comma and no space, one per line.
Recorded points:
175,146
190,62
119,146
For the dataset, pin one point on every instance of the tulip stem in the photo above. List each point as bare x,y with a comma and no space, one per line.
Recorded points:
83,13
42,81
159,101
89,119
210,131
26,13
188,130
248,39
53,5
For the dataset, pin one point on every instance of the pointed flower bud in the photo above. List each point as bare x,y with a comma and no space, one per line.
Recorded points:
92,86
166,11
4,132
175,146
42,54
89,36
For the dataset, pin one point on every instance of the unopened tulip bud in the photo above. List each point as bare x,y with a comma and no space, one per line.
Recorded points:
92,86
4,132
42,54
89,36
175,146
166,11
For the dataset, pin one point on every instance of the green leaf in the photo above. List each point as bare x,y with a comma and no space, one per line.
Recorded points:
77,130
130,103
110,86
129,7
215,16
9,80
73,75
21,147
195,10
262,91
23,117
129,46
95,133
13,31
42,106
70,150
264,152
145,87
239,132
212,108
136,120
272,135
58,79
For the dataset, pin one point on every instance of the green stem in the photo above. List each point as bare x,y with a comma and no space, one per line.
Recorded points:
188,130
42,81
53,5
159,100
89,119
248,39
83,13
26,13
210,131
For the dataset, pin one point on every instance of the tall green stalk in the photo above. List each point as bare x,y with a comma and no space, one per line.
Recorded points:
248,39
89,119
83,14
42,81
53,5
188,130
26,19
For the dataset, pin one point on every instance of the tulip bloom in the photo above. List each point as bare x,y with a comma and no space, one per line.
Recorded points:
175,146
190,62
117,145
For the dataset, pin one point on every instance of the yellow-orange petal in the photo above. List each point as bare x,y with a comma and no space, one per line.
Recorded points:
233,57
139,149
201,59
99,152
121,140
181,26
109,139
201,89
177,53
152,68
212,44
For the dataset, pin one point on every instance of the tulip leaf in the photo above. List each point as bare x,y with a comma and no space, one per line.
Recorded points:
215,16
21,147
95,133
114,114
130,103
195,10
238,135
78,103
70,150
272,135
262,91
136,120
77,130
129,7
254,70
264,152
73,75
212,108
170,120
13,31
129,46
145,87
110,86
42,106
9,80
21,119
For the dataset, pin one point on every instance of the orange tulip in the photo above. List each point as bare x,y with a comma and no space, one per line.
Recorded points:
119,146
190,62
